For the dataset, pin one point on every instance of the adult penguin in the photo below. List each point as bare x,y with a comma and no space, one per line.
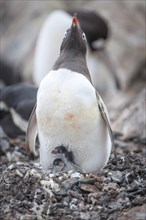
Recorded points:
69,112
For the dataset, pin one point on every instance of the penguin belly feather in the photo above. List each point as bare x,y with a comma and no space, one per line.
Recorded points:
67,115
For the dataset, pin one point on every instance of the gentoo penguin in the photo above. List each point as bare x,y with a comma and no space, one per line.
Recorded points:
96,29
16,104
69,112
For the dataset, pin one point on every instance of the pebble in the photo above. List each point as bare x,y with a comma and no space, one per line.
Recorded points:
76,174
74,201
88,188
19,173
51,175
85,216
114,206
61,192
110,186
50,184
88,180
116,176
75,194
4,145
73,207
35,173
11,167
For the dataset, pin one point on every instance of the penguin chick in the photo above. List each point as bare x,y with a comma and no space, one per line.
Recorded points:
62,150
69,111
62,164
58,165
66,157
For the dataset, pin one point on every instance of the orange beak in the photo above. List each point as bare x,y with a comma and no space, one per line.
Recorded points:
75,20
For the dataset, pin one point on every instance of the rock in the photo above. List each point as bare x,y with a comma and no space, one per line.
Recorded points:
70,183
131,121
84,216
75,195
88,188
4,143
136,213
116,176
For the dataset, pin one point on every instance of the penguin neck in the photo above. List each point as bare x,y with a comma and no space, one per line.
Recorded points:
74,62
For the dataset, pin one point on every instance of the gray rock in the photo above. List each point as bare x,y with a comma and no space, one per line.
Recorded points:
131,121
116,176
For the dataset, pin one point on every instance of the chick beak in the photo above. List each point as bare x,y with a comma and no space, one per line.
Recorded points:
54,151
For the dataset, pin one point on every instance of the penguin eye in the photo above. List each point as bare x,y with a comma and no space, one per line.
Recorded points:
84,36
65,35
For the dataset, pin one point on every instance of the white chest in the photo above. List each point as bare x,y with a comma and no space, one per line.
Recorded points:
67,115
66,102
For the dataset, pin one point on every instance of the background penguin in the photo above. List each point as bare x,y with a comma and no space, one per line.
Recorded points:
69,112
9,75
96,30
16,104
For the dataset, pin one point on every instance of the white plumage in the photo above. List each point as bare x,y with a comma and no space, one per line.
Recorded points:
67,114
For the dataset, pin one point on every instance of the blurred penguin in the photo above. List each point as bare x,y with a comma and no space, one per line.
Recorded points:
9,75
16,104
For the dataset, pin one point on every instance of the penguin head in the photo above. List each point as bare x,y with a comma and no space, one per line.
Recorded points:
59,150
58,165
74,40
64,152
58,162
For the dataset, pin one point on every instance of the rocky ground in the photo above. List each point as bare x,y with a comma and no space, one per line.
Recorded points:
117,192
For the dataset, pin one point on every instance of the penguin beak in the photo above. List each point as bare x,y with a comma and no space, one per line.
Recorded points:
75,21
54,151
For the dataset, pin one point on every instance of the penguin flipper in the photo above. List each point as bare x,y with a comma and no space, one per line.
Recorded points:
106,120
31,133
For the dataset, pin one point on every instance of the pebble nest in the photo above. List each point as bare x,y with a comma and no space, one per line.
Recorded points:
29,193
